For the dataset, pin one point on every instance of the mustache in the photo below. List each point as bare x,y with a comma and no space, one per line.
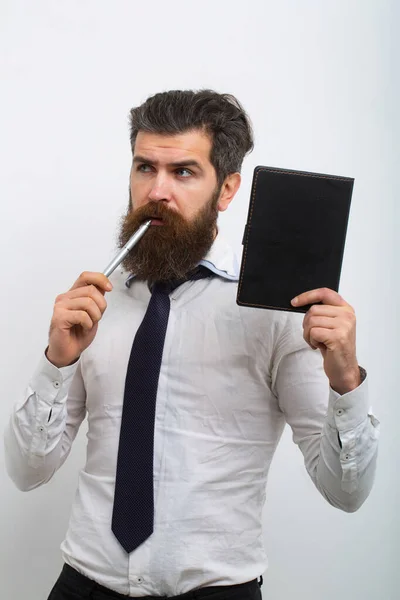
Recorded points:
156,210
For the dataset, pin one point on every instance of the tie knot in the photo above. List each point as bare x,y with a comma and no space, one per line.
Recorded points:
166,287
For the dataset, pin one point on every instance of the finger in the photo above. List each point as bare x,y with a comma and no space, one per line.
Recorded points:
90,291
82,304
324,310
321,335
341,316
317,322
78,317
326,322
324,295
97,279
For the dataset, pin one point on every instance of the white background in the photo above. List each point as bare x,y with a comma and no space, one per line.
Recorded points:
320,82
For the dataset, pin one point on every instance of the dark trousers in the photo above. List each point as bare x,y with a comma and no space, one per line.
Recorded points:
72,585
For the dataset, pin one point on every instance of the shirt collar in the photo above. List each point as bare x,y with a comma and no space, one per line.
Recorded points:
220,259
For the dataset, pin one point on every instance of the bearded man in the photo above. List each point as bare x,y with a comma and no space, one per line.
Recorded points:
187,393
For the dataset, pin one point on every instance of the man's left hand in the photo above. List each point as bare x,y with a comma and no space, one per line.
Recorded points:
331,327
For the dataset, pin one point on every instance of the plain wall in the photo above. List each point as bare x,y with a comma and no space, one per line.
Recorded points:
320,82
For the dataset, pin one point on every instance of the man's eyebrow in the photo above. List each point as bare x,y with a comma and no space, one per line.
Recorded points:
190,162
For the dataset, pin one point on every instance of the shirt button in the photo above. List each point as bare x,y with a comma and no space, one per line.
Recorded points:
56,384
339,412
347,456
140,579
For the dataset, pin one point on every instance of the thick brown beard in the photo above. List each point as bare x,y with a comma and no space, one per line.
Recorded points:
171,250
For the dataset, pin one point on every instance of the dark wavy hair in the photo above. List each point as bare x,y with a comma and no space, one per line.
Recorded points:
221,116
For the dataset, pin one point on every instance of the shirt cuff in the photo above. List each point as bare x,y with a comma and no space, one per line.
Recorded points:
48,381
350,410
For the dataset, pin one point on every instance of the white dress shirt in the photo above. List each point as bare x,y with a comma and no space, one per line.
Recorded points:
231,377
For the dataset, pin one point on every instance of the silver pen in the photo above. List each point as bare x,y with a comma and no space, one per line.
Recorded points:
133,240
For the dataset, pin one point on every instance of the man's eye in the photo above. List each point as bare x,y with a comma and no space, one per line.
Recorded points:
144,168
184,172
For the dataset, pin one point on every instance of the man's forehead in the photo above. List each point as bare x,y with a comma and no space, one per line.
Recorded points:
191,143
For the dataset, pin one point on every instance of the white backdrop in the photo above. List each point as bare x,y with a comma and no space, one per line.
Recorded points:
319,82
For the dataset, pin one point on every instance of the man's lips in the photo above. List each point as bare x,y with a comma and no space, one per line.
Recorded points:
157,222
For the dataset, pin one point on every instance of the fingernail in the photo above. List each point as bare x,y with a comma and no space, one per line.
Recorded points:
109,286
295,301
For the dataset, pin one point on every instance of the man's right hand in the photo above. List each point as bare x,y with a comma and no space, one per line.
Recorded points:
75,318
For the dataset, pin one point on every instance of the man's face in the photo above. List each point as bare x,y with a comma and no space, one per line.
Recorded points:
174,170
173,182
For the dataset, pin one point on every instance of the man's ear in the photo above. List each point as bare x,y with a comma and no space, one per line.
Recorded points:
228,190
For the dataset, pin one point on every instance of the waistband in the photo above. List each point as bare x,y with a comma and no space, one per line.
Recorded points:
84,584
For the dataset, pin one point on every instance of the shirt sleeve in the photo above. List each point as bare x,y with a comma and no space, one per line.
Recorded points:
43,425
338,435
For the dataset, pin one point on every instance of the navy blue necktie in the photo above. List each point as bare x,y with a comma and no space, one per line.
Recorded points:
133,511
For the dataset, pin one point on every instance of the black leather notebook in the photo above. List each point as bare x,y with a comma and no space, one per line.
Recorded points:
294,237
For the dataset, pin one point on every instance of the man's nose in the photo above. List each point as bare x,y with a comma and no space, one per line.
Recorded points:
161,188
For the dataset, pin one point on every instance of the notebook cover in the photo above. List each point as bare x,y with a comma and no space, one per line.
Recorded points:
294,237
